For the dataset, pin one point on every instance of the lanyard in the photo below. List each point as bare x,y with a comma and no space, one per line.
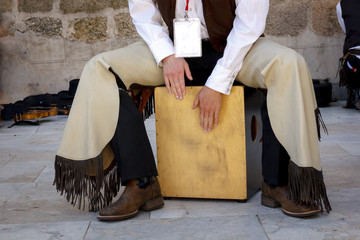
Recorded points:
186,9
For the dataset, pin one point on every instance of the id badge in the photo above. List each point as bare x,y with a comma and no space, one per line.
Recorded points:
187,37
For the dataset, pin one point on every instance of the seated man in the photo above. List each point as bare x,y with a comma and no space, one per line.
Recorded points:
232,49
349,20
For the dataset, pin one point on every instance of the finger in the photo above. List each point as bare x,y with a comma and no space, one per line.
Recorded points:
177,89
217,114
206,121
202,118
182,86
188,72
210,121
167,84
196,103
178,86
173,88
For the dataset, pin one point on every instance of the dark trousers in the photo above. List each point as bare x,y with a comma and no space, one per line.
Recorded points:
132,149
130,144
275,159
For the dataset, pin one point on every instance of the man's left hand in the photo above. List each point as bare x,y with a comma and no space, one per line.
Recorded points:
209,101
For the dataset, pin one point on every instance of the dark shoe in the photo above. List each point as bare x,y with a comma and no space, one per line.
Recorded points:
278,198
132,199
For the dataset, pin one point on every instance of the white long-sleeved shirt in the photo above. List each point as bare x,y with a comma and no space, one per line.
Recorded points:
342,23
248,25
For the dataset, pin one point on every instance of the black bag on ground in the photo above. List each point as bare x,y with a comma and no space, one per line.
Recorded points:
62,100
41,100
73,84
12,109
323,90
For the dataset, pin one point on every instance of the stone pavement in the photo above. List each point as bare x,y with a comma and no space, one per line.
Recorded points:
30,207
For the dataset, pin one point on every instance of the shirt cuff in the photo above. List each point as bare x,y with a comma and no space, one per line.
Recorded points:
161,49
221,79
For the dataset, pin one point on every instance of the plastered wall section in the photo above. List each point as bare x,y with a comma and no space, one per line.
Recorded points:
45,43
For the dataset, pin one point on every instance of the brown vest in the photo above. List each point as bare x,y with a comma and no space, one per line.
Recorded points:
219,17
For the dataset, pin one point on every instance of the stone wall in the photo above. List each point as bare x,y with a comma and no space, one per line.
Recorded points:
45,43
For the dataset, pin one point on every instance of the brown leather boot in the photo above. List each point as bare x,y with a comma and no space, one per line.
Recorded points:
132,199
278,198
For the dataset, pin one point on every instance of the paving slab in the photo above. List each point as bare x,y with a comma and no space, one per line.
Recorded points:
24,153
331,149
341,171
176,208
16,130
46,176
52,125
345,199
50,210
336,113
352,148
340,138
344,128
338,225
12,191
5,158
41,142
17,173
44,231
229,227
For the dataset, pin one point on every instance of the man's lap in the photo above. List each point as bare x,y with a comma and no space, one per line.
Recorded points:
136,64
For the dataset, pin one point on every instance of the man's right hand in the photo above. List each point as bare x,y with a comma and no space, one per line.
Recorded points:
173,70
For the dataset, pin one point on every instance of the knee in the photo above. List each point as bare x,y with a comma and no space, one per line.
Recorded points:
95,61
290,59
288,68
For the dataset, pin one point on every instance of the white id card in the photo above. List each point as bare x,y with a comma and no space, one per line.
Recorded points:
187,37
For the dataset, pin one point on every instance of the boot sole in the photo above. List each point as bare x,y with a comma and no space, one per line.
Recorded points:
153,204
118,217
301,215
269,202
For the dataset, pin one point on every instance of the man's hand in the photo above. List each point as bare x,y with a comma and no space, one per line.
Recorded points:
173,71
209,102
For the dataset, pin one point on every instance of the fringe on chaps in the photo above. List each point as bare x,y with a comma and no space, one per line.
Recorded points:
73,179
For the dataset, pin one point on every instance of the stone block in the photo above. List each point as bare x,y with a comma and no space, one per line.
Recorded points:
6,6
31,65
287,17
116,4
124,26
322,61
89,29
41,50
90,6
7,26
77,51
119,43
324,18
32,6
46,27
